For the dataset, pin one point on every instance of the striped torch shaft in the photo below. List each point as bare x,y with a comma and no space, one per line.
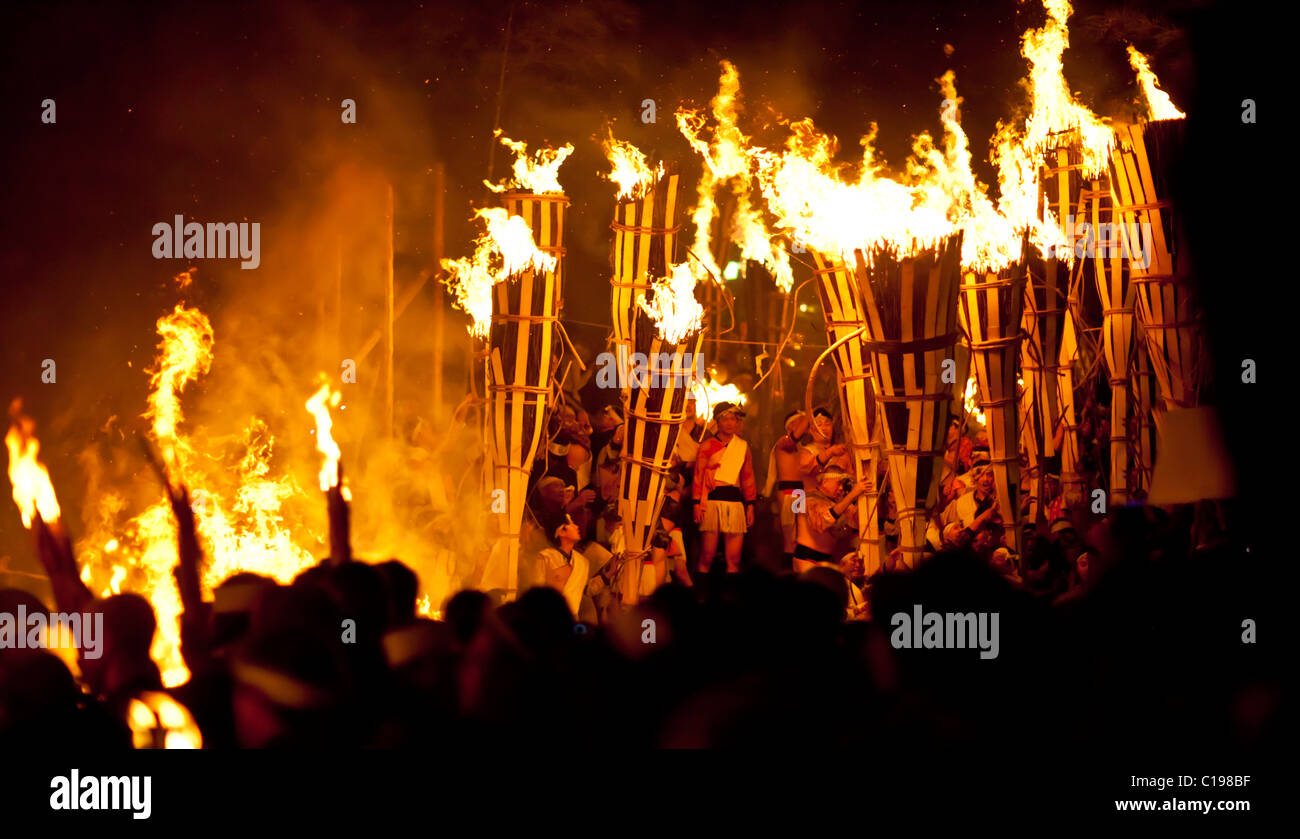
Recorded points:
1166,305
990,311
521,342
1044,343
1110,272
1062,184
645,244
655,408
911,308
845,315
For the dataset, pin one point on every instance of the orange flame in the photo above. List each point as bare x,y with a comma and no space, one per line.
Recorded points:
539,175
244,531
630,171
708,393
33,491
1056,117
505,248
674,308
726,164
319,407
186,354
1162,107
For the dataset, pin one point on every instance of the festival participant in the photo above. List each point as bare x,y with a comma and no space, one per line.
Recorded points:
668,546
785,477
977,508
826,508
957,453
852,567
565,569
820,453
724,489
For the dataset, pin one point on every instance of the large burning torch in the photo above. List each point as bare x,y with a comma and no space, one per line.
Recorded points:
330,477
667,335
512,289
911,306
38,506
645,239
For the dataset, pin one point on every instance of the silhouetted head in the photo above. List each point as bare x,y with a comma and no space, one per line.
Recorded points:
465,612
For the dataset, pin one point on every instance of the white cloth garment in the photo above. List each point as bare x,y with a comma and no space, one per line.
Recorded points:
733,459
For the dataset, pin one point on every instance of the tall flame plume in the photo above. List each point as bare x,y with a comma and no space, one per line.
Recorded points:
726,164
1162,107
319,406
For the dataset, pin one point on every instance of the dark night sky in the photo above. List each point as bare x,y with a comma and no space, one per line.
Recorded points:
230,111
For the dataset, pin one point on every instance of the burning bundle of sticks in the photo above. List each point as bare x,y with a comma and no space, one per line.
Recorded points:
645,238
659,322
512,289
911,331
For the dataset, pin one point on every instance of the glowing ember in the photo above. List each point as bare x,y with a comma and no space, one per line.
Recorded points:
1162,107
504,250
726,164
630,170
539,175
319,407
33,492
676,311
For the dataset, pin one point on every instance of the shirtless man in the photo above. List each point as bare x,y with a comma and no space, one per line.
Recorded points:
788,477
826,508
819,454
